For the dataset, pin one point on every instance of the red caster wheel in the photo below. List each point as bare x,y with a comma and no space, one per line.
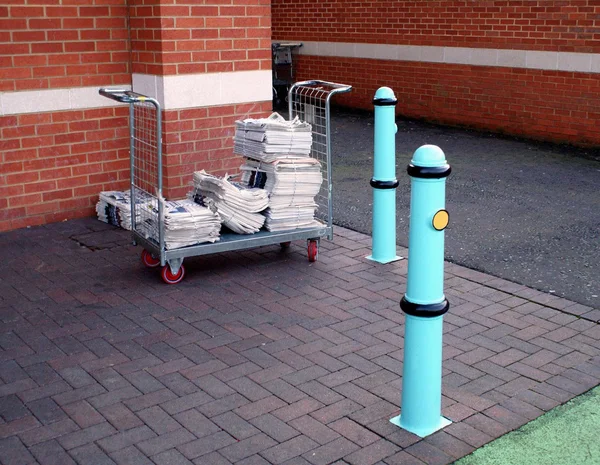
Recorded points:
149,260
170,278
285,245
313,250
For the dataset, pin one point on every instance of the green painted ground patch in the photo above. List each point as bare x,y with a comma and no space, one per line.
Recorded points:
568,434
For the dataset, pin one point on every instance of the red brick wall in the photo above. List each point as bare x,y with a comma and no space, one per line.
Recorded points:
202,138
551,105
48,45
184,36
568,26
54,164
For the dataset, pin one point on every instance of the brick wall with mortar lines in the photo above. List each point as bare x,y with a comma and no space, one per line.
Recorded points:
202,138
540,104
181,36
566,26
54,164
72,44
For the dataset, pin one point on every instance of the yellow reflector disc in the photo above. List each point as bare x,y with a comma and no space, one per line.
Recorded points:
440,220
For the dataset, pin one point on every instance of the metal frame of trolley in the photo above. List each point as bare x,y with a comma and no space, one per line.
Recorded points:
309,100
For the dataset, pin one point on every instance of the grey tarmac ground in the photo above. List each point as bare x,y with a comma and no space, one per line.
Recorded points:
521,210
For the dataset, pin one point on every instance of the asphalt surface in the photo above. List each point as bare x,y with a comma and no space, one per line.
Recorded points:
521,210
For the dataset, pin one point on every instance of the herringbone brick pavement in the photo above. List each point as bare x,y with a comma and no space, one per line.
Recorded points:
259,357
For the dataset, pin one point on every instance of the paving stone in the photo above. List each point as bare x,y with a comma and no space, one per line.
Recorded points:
181,404
372,453
46,411
144,381
51,453
330,452
12,408
91,454
284,391
18,426
44,391
429,454
171,457
260,407
274,427
166,441
403,458
214,458
86,436
354,432
158,420
13,452
130,456
196,423
150,399
297,409
124,439
48,432
314,430
205,445
83,414
319,392
225,404
289,449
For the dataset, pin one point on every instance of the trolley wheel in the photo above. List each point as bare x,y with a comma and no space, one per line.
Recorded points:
285,245
313,250
170,278
149,260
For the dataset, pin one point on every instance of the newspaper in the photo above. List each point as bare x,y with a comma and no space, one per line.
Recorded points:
185,223
292,186
272,138
237,205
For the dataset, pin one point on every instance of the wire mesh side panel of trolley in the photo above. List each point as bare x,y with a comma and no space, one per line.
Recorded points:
146,170
310,102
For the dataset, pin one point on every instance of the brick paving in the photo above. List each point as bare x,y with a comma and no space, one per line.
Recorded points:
259,357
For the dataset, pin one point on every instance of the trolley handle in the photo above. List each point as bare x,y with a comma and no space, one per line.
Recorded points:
122,95
337,88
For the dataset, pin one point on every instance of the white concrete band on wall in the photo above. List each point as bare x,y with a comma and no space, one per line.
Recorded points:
532,59
208,89
173,92
39,101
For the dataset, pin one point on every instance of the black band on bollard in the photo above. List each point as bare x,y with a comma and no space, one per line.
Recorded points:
426,311
385,102
428,172
384,184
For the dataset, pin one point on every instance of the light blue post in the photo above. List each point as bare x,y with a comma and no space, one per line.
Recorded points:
384,180
424,302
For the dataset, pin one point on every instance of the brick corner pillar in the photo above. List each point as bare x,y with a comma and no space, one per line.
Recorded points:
208,65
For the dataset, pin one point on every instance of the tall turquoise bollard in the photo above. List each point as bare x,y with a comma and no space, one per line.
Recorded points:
424,302
384,180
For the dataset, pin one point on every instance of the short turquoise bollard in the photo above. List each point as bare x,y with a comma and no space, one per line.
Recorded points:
384,180
424,302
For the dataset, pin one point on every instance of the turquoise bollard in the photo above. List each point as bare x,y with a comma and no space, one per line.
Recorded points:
424,302
384,180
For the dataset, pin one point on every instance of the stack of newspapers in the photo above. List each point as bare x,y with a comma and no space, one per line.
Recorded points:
292,185
237,205
272,138
186,223
114,207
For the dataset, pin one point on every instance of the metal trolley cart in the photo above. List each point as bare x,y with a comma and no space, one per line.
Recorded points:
284,71
309,100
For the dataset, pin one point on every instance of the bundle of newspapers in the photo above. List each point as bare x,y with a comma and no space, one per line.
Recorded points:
185,221
272,138
114,207
292,185
237,205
